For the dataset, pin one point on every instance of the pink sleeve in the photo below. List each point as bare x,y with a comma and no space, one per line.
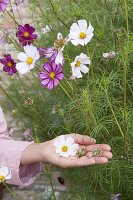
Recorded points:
10,156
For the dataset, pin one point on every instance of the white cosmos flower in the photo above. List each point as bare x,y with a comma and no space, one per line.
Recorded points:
5,174
80,33
79,65
65,146
111,54
46,29
28,59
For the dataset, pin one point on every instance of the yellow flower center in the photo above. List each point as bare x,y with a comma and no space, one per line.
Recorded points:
26,34
9,64
52,75
78,63
82,35
64,148
2,177
29,60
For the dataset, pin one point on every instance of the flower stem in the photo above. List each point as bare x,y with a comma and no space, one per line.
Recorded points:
65,91
50,179
14,195
114,114
57,14
12,18
13,15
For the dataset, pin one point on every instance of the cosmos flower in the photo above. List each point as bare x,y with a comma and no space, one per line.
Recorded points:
5,174
28,134
65,146
3,5
29,102
111,54
51,76
26,34
3,41
9,65
46,29
41,52
79,65
80,33
28,59
54,55
115,197
19,2
60,42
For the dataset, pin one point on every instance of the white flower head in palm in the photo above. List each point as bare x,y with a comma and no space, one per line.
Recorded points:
81,33
65,146
5,174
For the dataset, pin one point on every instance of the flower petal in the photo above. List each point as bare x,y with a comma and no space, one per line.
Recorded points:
22,56
90,29
30,50
69,141
82,25
75,28
61,139
45,81
84,68
22,67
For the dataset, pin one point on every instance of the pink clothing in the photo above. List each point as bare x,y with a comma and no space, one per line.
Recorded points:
10,156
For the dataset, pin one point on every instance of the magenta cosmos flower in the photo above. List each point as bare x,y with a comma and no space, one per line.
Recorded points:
54,55
51,76
9,65
26,34
3,5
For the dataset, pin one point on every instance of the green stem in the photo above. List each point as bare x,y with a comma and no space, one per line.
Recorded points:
12,18
13,15
12,192
114,114
50,179
65,91
4,91
125,77
57,14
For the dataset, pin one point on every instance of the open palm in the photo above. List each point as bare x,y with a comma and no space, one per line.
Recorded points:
85,142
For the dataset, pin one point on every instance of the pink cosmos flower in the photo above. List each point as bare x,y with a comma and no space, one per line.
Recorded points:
3,5
54,55
9,65
51,76
26,34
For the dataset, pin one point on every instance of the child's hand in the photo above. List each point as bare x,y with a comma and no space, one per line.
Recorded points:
46,152
86,143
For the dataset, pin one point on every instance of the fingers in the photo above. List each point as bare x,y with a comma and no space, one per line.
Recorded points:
84,161
84,139
105,154
104,147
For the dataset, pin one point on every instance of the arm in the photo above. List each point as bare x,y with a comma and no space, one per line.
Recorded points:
45,152
10,155
23,157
